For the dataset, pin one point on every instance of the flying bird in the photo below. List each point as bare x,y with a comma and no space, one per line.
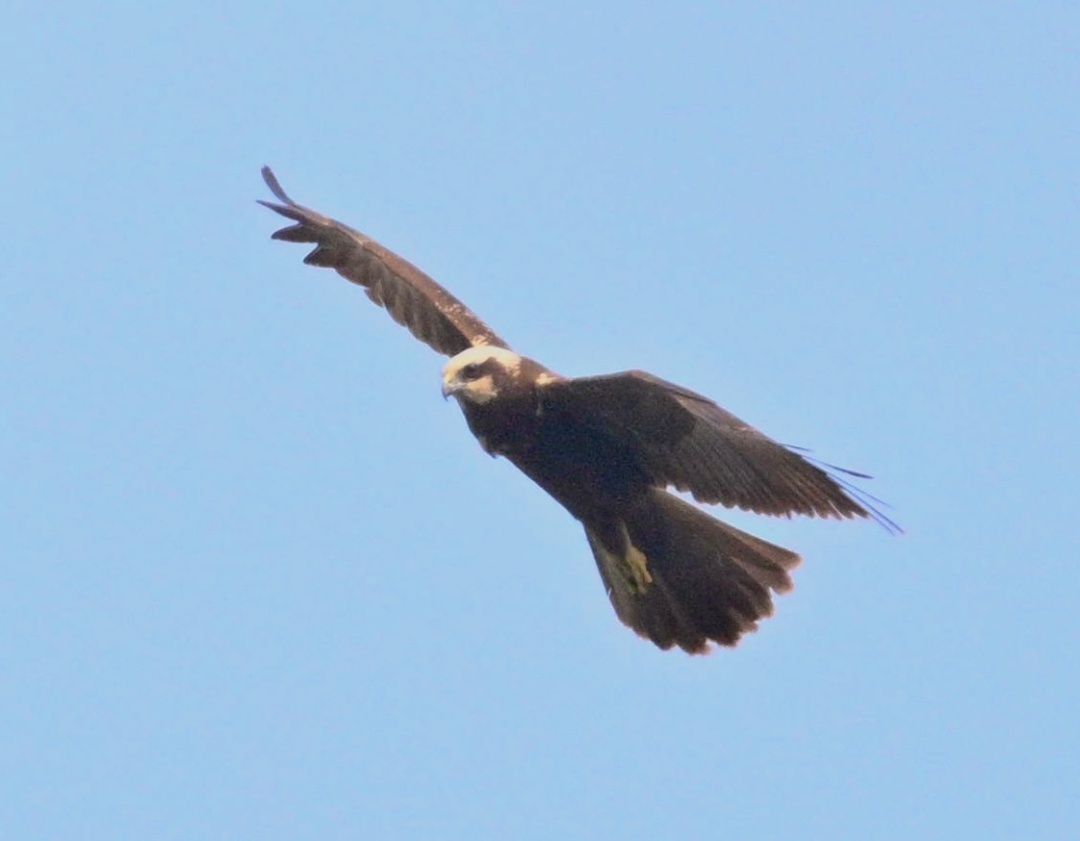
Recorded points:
608,448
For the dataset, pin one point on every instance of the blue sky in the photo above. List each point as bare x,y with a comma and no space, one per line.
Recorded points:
258,581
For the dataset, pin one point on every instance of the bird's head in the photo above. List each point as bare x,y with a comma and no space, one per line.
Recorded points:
480,374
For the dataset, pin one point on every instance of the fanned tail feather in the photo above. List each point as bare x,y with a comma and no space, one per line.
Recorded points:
678,576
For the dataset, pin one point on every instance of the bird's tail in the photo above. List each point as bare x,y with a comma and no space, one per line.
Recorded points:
678,576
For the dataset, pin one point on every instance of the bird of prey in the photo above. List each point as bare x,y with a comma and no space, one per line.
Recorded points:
607,448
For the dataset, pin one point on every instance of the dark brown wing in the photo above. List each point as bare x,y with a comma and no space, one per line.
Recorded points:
412,298
686,441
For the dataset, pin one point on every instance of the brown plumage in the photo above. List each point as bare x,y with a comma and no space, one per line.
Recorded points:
606,448
413,299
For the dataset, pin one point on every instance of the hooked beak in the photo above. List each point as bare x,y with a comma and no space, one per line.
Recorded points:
450,388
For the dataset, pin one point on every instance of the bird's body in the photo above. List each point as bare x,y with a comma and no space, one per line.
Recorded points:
606,448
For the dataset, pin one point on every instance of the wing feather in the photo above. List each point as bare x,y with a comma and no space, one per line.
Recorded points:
413,299
686,441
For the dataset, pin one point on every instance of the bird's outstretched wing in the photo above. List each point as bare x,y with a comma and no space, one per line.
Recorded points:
686,441
412,298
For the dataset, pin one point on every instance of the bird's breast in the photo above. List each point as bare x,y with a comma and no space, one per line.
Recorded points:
504,428
580,467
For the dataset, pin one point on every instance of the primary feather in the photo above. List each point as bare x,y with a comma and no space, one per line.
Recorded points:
412,298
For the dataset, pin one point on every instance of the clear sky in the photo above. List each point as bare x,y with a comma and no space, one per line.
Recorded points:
257,580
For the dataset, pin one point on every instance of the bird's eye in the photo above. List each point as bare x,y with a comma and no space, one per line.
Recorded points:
470,371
